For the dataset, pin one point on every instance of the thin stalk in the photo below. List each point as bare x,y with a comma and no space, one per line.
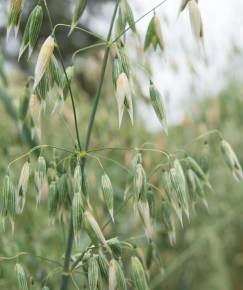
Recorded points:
66,272
102,75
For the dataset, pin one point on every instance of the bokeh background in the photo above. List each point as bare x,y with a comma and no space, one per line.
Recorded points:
202,90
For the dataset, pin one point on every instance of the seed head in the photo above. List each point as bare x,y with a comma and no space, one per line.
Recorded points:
21,277
107,193
196,19
35,27
231,160
93,273
124,97
158,105
138,274
40,177
23,186
77,214
43,59
78,12
14,16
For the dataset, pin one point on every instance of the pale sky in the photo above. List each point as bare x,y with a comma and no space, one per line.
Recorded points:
223,27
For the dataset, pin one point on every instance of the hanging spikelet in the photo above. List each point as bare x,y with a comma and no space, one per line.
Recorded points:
14,16
112,275
154,35
52,201
43,59
63,196
25,39
40,177
103,265
144,213
107,193
117,69
179,184
77,179
124,97
35,27
168,221
77,214
158,105
140,182
93,230
93,273
231,160
125,16
21,277
24,103
138,274
79,8
23,186
195,19
8,200
183,5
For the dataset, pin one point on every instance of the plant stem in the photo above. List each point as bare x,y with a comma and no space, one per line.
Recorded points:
101,80
66,275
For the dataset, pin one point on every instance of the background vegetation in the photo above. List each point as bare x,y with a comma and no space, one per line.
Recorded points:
209,250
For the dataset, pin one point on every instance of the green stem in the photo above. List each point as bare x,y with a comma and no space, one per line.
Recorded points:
66,272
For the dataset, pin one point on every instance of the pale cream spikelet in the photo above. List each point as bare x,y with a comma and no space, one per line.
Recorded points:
195,19
158,31
23,186
123,92
43,59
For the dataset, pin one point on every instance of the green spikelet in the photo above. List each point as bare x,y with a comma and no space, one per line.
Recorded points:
62,188
79,8
23,186
56,75
179,184
138,274
14,16
103,265
107,193
158,105
231,160
129,16
25,39
21,277
24,103
40,176
167,219
93,273
52,200
154,34
35,27
140,182
8,200
116,70
77,214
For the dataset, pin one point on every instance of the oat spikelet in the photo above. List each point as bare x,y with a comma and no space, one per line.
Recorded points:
123,95
93,273
43,59
14,16
23,186
21,277
195,19
138,274
112,275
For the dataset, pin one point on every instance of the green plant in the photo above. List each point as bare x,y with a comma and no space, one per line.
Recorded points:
185,181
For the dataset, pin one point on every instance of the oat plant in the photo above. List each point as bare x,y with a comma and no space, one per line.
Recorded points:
106,262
